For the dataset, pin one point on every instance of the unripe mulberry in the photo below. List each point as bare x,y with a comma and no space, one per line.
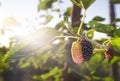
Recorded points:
81,51
109,53
76,51
87,49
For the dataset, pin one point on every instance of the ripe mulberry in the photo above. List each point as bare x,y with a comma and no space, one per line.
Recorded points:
109,53
87,49
81,51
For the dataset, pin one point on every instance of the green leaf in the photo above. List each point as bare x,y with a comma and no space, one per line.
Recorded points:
68,11
42,15
98,18
36,77
59,25
117,33
115,1
85,3
108,79
92,23
90,33
45,4
24,65
96,78
66,19
101,27
114,59
42,5
77,2
115,43
53,72
56,10
116,20
48,19
95,62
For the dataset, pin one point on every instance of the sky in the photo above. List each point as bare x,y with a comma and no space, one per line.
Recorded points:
26,15
20,9
27,9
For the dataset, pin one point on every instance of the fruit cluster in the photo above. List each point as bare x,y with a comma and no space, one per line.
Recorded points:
81,50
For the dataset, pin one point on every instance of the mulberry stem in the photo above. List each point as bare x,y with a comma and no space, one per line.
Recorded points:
74,37
83,18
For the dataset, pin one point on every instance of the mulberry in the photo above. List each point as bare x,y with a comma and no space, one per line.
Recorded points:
87,49
109,53
81,51
76,51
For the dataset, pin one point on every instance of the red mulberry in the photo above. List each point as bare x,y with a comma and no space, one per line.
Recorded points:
109,53
76,51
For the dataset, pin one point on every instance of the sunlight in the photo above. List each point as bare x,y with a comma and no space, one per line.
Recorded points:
8,34
17,31
4,40
10,27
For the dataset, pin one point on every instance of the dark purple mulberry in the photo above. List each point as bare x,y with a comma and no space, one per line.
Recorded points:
87,49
